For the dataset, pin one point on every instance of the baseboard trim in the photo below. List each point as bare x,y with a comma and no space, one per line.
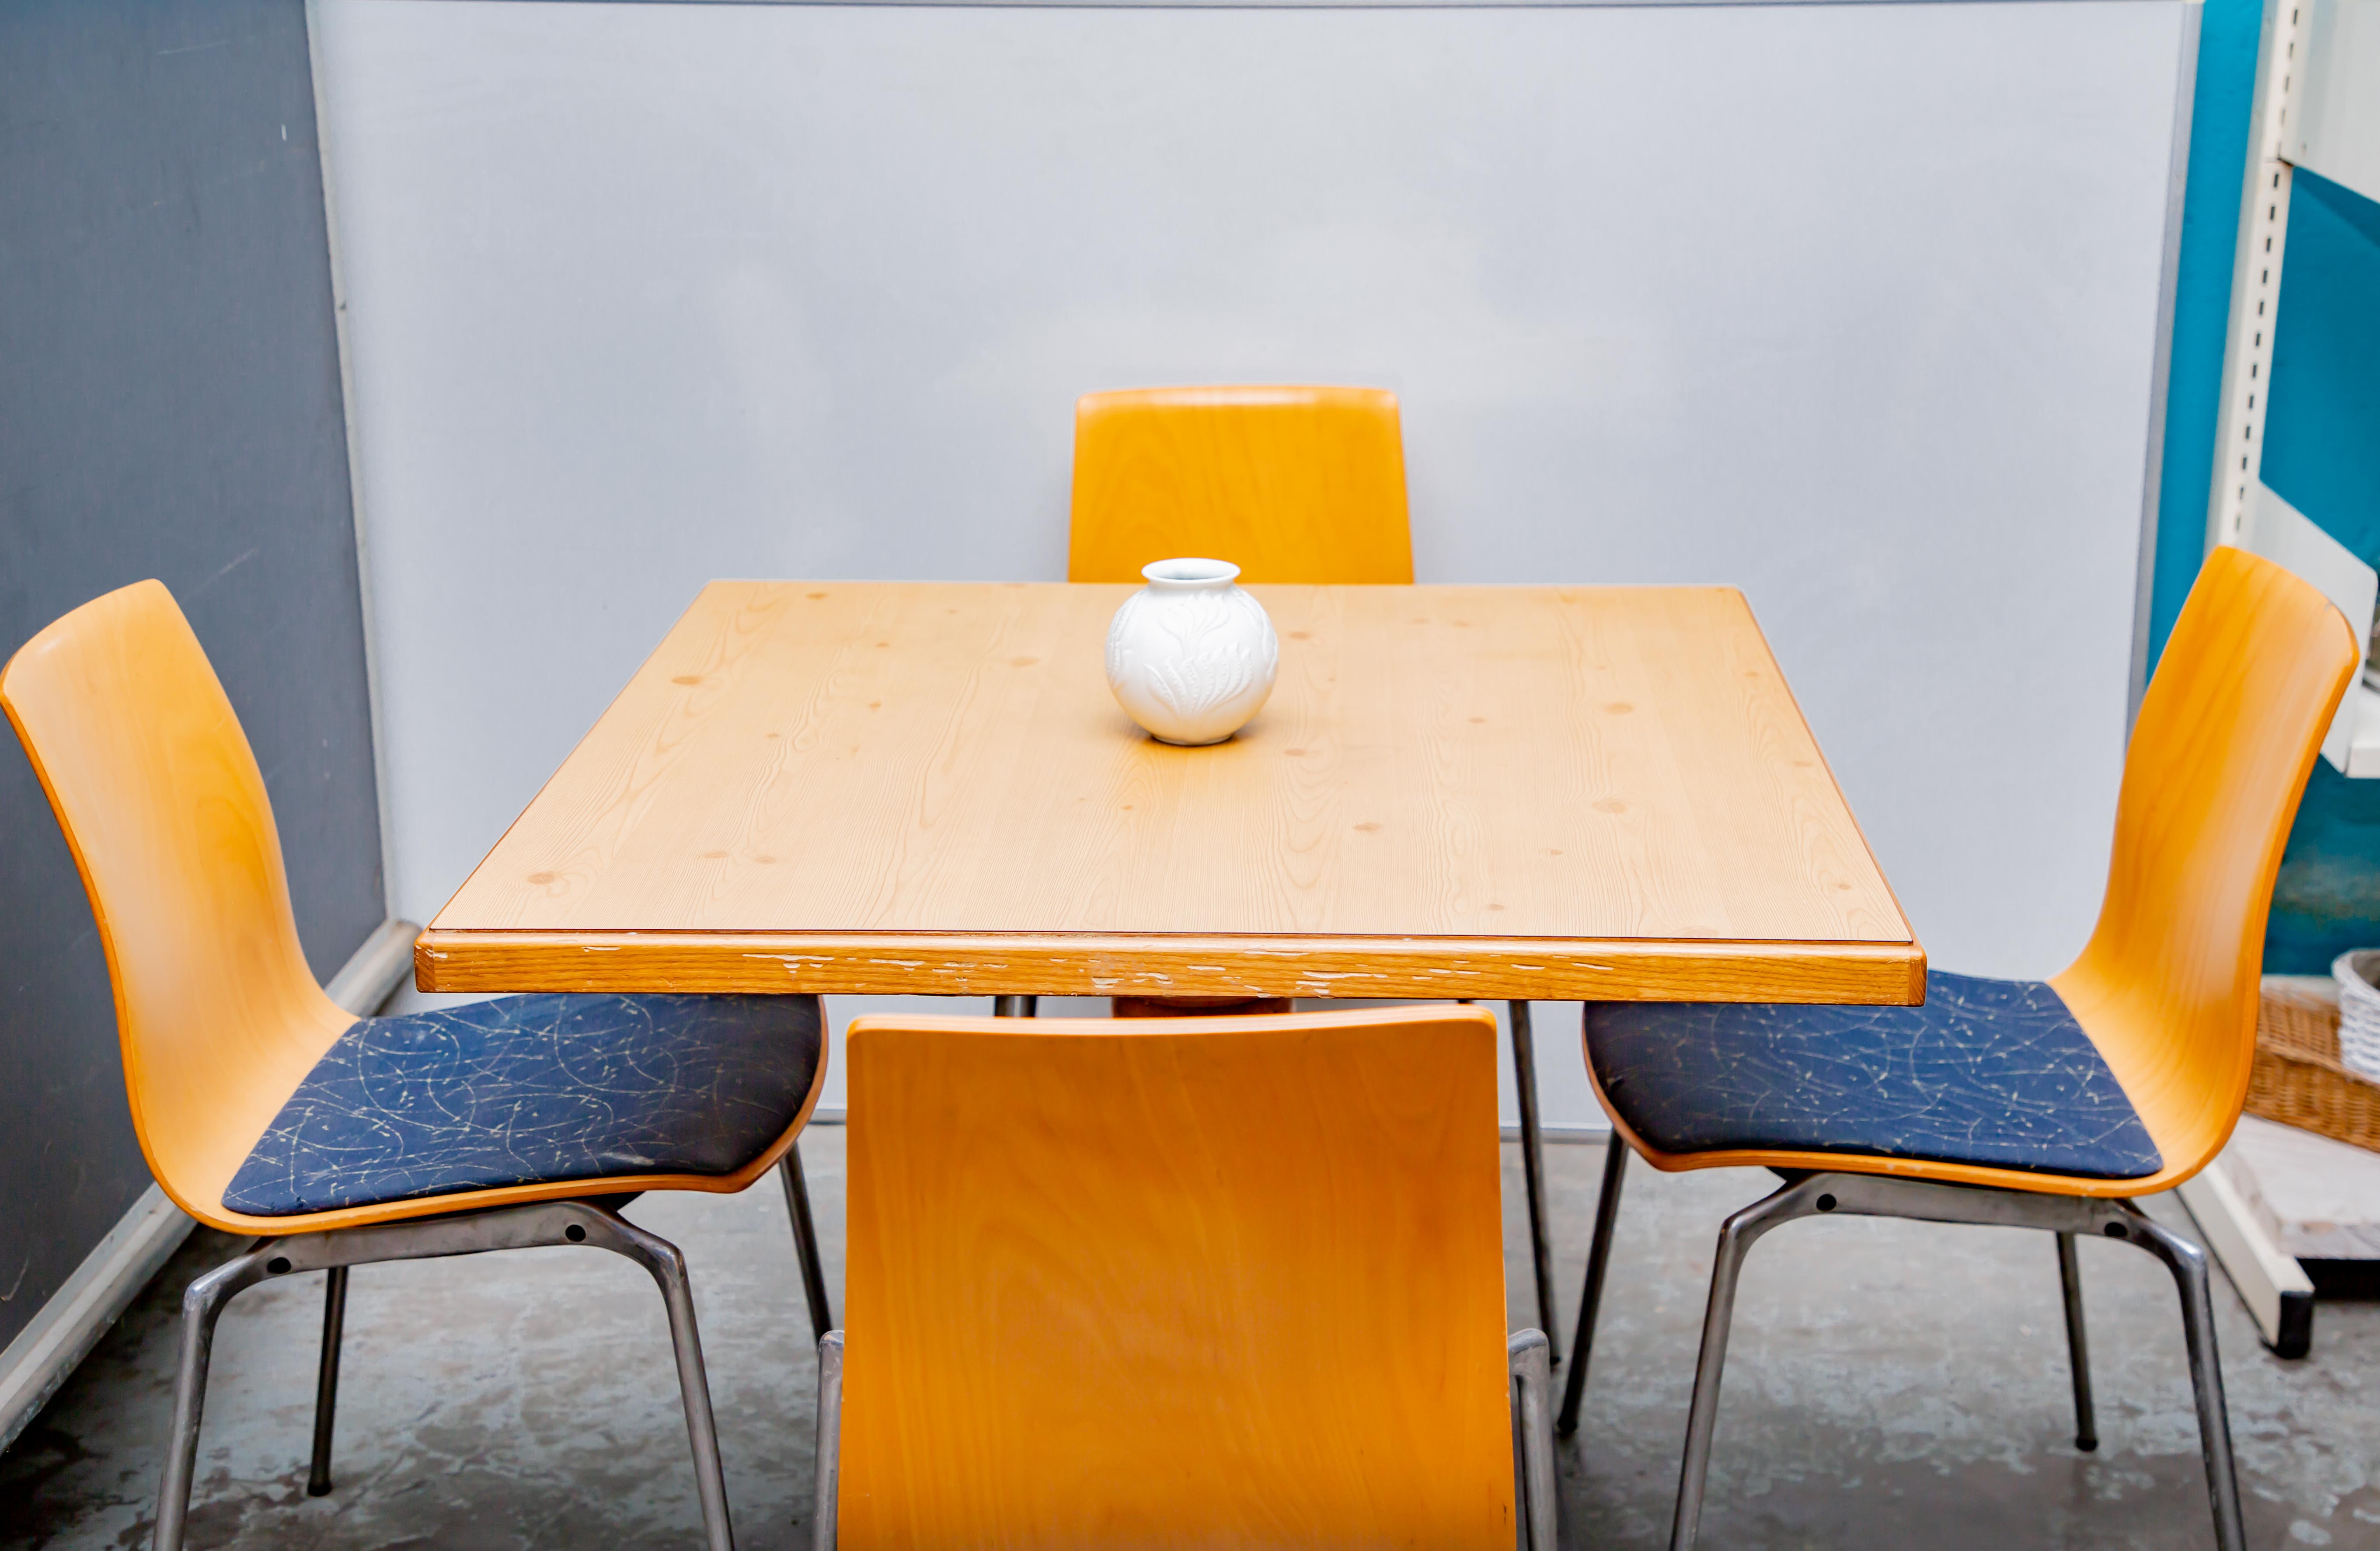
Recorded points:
119,1265
71,1323
1592,1135
372,974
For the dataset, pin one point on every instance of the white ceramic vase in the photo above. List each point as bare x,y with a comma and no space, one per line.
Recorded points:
1191,657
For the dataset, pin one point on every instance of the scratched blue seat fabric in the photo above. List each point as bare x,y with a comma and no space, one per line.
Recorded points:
1987,1071
528,1089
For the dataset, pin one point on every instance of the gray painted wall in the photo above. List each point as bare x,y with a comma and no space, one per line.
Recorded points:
169,407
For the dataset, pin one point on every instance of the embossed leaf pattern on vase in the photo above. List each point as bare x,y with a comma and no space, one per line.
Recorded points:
1192,657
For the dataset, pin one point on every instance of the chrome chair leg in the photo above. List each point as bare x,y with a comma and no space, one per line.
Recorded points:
667,1266
503,1228
797,1206
1533,1167
1736,1237
326,1379
830,1441
1590,1298
2187,1262
2078,1344
1016,1007
1533,1431
202,1302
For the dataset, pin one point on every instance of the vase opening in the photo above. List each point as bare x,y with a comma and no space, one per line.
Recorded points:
1185,574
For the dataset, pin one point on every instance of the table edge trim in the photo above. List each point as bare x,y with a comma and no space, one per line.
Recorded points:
1891,973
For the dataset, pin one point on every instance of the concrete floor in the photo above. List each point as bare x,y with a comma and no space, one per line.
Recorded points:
1891,1384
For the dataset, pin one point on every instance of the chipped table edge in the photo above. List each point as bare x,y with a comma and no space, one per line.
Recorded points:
1875,973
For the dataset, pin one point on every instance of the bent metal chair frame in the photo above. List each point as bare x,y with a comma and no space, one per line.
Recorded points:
1292,484
1098,1289
2165,993
221,1021
502,1227
1877,1195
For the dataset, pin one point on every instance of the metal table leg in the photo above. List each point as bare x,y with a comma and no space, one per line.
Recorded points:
1533,1167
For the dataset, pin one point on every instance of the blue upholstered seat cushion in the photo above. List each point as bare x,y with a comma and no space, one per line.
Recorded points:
528,1089
1987,1071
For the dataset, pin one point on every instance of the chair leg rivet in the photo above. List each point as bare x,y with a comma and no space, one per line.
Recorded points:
574,1233
1826,1203
2116,1231
278,1265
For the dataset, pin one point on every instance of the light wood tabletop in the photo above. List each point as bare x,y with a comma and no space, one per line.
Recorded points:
1489,792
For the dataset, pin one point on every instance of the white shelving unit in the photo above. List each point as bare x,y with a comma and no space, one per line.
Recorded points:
2279,1196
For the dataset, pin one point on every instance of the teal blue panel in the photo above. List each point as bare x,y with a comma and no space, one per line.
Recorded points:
2322,455
2328,898
2202,304
2322,439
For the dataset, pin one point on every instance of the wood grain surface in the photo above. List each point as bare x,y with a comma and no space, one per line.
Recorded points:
931,784
2169,985
1291,484
956,964
1176,1282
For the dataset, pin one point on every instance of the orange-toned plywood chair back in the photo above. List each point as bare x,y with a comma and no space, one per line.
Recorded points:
2225,737
1289,484
1176,1282
166,810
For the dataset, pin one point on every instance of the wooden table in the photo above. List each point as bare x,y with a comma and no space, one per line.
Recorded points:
1529,793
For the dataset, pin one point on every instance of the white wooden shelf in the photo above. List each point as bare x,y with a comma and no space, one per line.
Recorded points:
2363,745
2279,1196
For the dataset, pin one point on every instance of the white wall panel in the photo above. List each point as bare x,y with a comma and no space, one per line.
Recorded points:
2338,128
1853,306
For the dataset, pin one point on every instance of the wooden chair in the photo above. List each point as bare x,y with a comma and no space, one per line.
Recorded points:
1179,1282
1291,485
264,1110
2020,1103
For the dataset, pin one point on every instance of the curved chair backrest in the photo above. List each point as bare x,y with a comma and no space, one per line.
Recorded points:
1289,484
1176,1282
2226,735
163,807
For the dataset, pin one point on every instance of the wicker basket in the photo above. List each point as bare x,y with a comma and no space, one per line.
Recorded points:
2299,1079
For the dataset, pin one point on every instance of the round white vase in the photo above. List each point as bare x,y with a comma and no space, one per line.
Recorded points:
1191,657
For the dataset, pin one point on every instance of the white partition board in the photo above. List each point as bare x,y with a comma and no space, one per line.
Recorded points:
2337,129
1853,306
